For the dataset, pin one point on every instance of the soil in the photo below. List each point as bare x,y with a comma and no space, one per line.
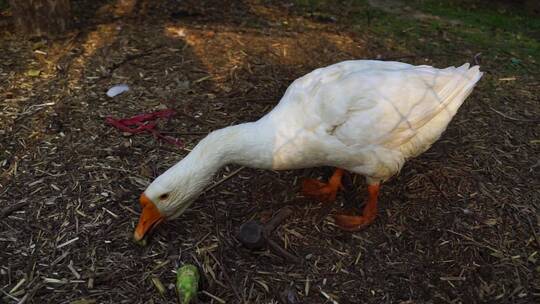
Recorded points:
459,224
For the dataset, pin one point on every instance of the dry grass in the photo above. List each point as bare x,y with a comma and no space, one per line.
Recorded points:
458,225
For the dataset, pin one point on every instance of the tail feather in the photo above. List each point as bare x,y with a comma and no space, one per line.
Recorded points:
454,95
472,76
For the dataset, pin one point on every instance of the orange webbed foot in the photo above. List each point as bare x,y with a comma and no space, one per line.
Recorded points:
359,222
318,190
325,192
353,222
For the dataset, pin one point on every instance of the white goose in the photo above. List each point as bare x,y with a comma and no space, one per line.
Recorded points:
363,116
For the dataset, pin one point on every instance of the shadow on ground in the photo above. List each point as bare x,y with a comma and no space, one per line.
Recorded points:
459,224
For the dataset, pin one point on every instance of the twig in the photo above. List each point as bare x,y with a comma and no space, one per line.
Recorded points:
130,57
9,296
284,253
32,291
224,179
474,241
476,57
272,224
534,232
513,118
327,296
28,296
220,300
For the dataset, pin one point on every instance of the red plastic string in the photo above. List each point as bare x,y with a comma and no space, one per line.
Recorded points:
143,123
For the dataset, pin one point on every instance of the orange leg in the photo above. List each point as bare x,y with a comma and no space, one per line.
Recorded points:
325,192
358,222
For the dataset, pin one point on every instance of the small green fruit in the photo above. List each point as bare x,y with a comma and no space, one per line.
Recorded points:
187,283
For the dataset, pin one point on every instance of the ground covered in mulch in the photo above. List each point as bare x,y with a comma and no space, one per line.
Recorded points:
460,224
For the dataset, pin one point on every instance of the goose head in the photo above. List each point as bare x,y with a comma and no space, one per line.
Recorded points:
171,193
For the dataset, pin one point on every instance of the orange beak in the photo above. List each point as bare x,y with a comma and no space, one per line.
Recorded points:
150,217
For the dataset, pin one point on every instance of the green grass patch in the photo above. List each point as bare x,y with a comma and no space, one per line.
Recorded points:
507,36
511,29
483,16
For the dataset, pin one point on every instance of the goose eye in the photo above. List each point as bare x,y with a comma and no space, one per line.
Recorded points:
164,196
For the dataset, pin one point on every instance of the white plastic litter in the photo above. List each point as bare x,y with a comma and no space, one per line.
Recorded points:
117,90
